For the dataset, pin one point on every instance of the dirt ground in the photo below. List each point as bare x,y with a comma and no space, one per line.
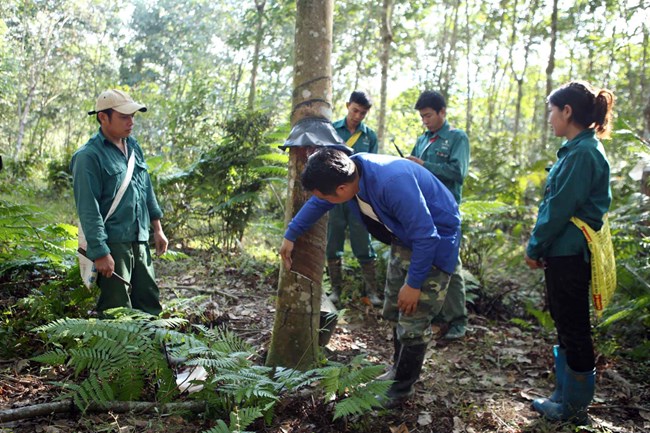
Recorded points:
482,383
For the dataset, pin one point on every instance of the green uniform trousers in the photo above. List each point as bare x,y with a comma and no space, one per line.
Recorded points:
454,311
415,328
340,218
133,263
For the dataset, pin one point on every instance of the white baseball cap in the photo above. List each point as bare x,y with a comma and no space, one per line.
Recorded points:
118,101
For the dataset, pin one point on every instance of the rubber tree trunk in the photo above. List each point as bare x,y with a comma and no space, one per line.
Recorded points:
294,342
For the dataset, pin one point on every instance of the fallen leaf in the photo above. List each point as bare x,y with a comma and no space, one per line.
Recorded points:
400,429
425,418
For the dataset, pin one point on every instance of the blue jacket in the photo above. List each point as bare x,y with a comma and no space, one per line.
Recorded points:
415,206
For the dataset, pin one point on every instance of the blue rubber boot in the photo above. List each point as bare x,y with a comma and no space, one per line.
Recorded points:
560,365
578,391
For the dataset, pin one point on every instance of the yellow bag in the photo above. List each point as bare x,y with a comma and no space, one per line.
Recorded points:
603,263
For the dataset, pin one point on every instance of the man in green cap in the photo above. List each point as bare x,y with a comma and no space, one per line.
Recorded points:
360,138
111,163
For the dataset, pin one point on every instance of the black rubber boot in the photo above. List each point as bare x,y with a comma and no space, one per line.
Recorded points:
407,373
390,373
335,271
370,283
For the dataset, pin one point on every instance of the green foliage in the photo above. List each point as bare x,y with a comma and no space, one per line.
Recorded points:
117,358
123,358
353,386
218,194
27,242
543,317
239,420
489,236
59,178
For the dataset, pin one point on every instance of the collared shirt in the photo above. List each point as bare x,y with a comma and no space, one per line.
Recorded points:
367,142
412,203
98,169
446,154
577,185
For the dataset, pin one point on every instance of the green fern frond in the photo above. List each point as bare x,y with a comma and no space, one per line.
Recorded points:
294,379
179,341
94,389
89,358
169,323
53,357
216,364
362,399
361,376
221,427
225,341
242,418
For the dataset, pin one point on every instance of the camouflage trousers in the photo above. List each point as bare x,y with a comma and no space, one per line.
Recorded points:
414,328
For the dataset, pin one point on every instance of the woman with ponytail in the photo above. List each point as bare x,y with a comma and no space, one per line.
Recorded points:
577,185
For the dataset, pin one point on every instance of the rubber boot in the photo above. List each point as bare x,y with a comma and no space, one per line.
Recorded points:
335,271
370,283
390,373
560,365
577,392
456,331
407,372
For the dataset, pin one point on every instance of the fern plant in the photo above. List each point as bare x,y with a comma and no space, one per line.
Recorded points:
122,358
353,387
118,358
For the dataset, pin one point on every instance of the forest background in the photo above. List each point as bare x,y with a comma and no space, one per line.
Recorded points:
217,79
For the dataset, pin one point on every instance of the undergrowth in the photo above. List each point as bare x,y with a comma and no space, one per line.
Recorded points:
129,358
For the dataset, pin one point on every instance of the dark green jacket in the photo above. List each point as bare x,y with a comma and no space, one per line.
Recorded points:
367,142
98,169
447,158
577,185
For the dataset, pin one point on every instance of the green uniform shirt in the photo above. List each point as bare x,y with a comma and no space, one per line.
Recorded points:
367,142
445,154
577,185
98,169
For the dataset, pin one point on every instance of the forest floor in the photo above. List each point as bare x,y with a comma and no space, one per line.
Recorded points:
482,383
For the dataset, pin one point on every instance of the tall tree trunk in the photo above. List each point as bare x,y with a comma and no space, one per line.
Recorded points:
386,41
259,5
550,68
450,66
519,78
468,43
646,116
495,81
297,319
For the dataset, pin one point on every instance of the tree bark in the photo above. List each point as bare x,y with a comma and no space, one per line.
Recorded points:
294,342
468,43
386,41
550,68
519,78
46,409
259,6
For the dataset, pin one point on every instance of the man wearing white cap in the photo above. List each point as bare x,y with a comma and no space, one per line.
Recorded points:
118,244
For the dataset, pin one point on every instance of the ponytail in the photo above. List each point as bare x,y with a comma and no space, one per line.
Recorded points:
589,107
603,112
